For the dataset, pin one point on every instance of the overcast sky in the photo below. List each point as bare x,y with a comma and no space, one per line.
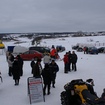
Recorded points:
52,15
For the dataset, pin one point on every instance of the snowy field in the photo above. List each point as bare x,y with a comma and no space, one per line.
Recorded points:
88,66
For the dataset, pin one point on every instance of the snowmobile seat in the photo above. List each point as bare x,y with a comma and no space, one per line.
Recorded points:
90,98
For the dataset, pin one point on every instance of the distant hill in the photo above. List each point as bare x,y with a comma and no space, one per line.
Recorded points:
11,36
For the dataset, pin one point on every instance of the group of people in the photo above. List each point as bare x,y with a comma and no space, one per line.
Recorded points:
48,73
70,60
15,65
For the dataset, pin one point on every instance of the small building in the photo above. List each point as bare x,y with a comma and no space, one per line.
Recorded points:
10,48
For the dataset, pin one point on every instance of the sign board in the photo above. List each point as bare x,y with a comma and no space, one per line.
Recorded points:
35,90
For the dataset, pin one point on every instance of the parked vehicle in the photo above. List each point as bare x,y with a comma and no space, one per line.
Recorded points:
40,49
31,54
79,49
60,48
75,47
101,50
82,45
92,50
19,50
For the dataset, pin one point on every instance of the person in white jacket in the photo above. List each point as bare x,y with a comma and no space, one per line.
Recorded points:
46,59
10,64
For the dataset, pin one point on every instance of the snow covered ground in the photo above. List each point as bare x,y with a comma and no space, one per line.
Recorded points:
88,66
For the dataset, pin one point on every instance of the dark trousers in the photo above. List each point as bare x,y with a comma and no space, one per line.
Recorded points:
21,70
53,80
16,81
53,57
46,86
69,66
10,71
66,68
74,67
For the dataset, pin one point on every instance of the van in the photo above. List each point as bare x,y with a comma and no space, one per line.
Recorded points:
40,49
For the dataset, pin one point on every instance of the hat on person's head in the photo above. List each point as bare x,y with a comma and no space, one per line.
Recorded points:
18,56
39,60
53,60
53,46
104,90
90,81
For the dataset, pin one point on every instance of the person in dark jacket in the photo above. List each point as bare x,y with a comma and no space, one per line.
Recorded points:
54,69
90,84
1,77
16,72
20,61
46,74
74,61
70,60
103,94
32,65
37,69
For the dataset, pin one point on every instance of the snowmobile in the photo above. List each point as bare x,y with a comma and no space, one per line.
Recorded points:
77,93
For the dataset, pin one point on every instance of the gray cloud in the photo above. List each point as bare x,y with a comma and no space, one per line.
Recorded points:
51,15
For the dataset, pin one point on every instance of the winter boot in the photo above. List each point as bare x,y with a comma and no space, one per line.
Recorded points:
48,90
53,86
44,90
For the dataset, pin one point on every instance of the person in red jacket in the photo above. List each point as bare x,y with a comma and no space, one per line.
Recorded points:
53,52
66,63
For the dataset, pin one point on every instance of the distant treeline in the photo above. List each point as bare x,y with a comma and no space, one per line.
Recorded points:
53,34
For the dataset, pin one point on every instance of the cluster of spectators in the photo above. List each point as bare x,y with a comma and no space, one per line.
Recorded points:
70,60
48,73
15,65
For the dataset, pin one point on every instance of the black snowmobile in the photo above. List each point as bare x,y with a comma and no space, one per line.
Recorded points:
77,93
